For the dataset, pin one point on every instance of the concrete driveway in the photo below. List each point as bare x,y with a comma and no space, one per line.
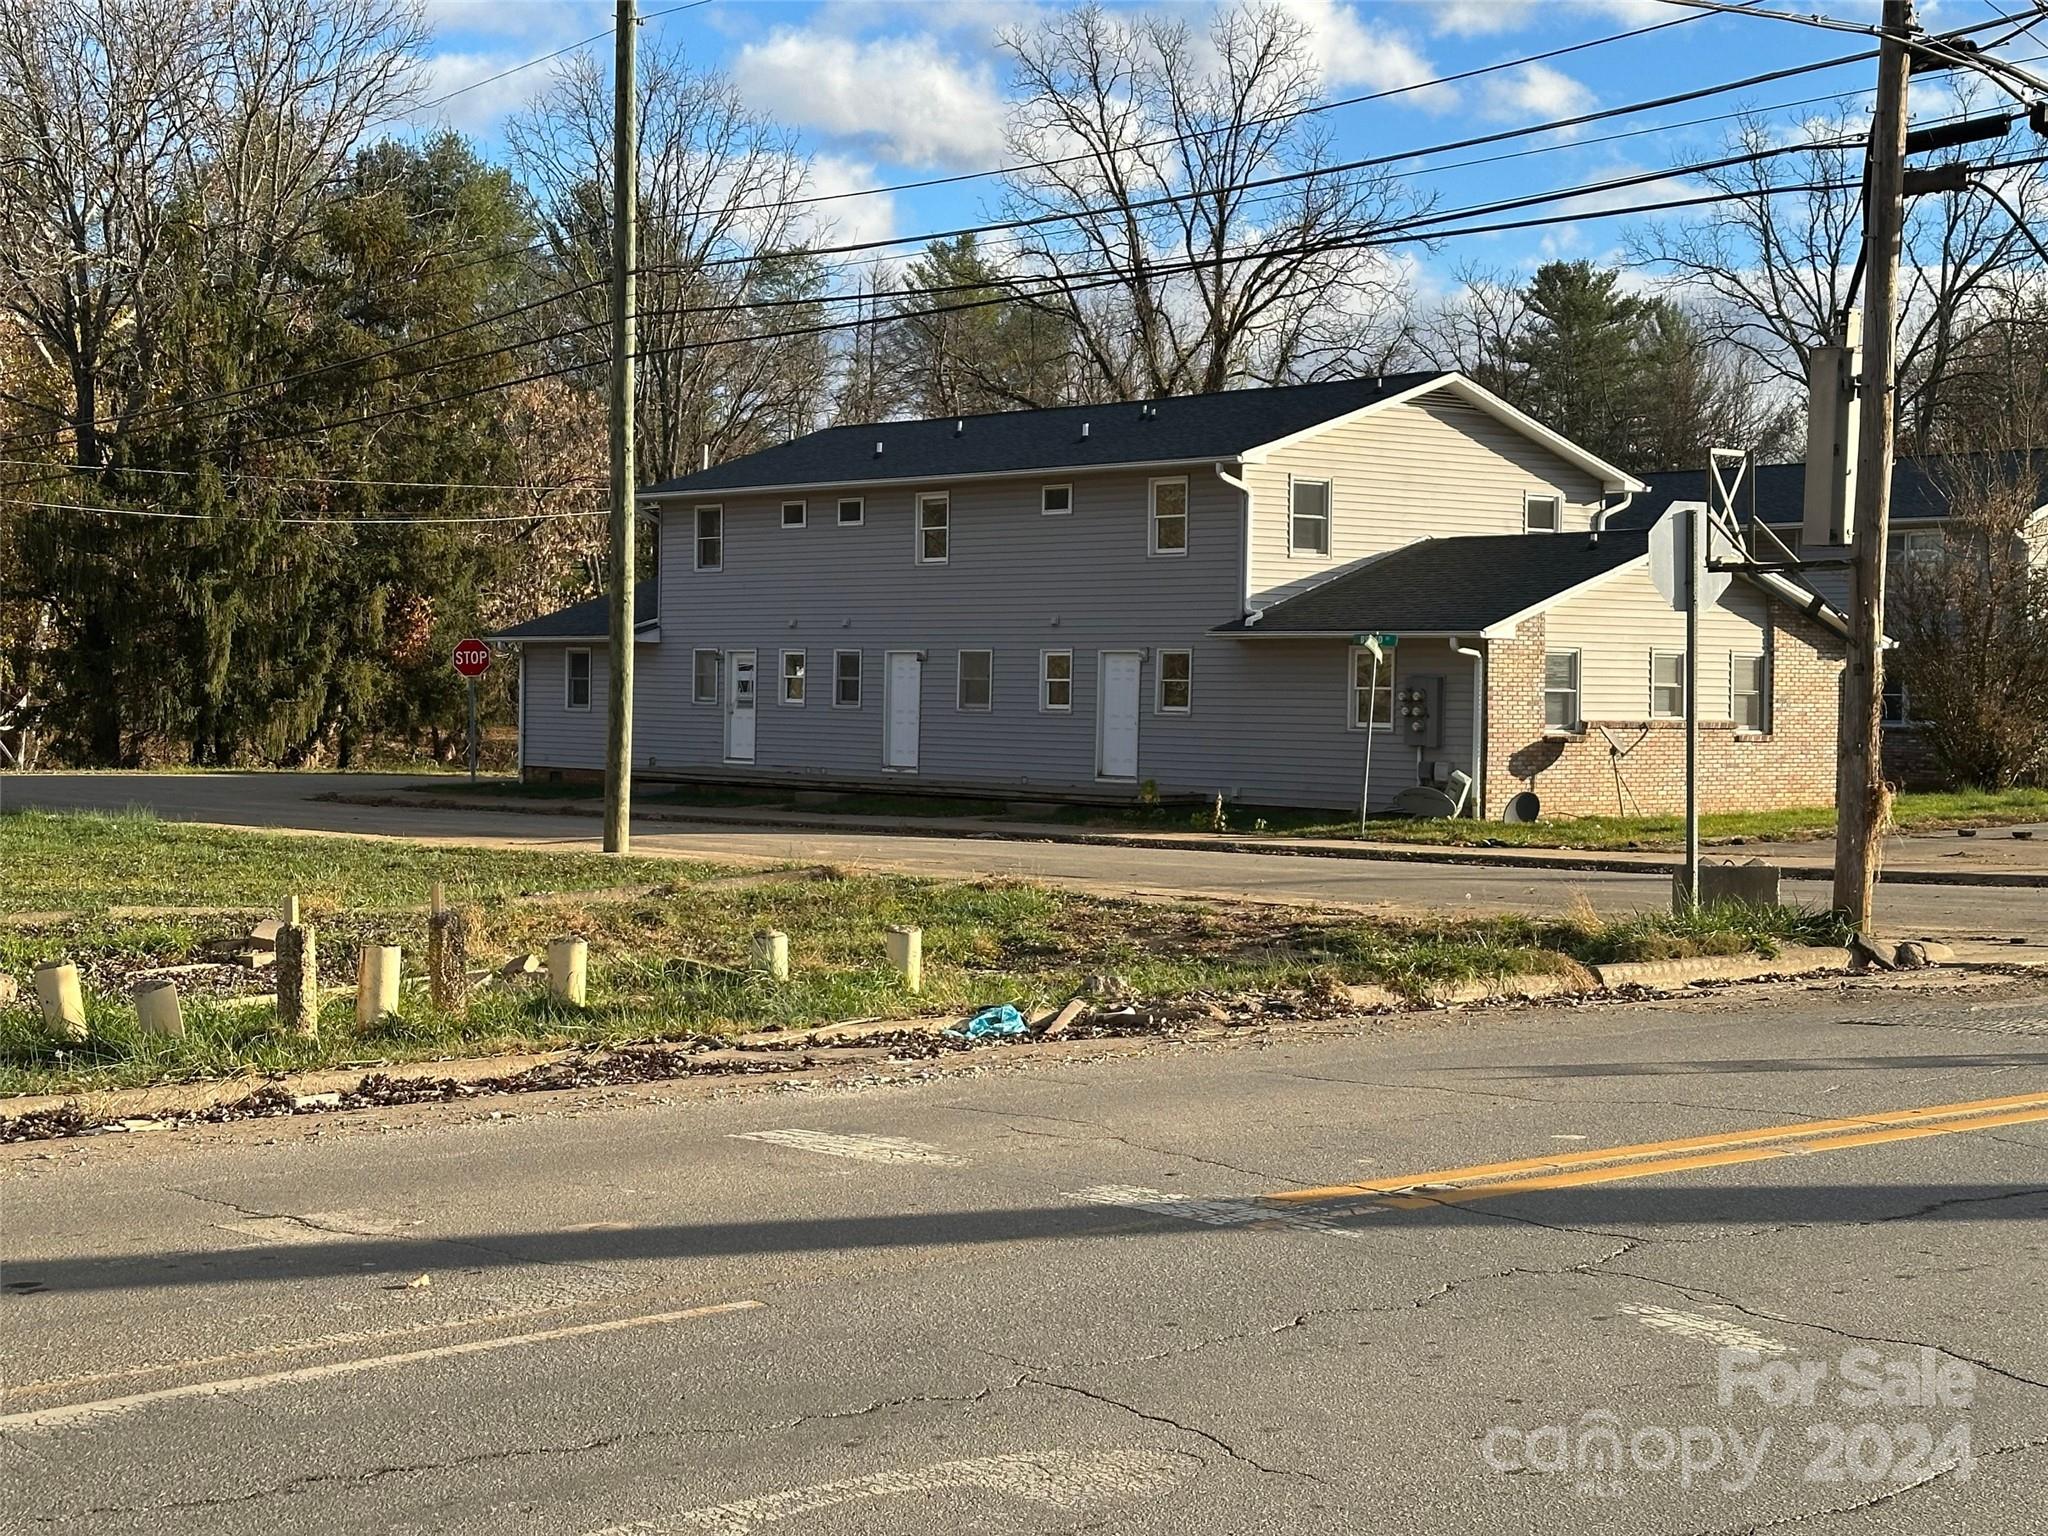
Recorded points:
289,801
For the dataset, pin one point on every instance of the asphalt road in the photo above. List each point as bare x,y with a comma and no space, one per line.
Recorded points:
1074,1297
289,800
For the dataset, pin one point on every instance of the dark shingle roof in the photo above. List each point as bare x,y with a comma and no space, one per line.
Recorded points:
583,621
1449,586
1181,428
1918,490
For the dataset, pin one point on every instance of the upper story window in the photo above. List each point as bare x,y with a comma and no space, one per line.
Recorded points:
1308,523
1916,551
1169,517
1542,512
1560,690
1056,500
795,514
710,538
576,680
852,511
1748,692
1667,685
934,528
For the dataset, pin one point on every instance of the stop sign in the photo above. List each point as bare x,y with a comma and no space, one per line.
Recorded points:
472,658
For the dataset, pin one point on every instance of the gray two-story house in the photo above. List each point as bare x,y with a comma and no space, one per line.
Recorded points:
1185,598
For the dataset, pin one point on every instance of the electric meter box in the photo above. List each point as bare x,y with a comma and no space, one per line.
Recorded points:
1419,710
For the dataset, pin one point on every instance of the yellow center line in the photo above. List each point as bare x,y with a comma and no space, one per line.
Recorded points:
1644,1159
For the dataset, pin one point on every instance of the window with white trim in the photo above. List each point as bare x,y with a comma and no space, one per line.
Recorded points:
795,513
1667,685
1560,690
1749,696
934,528
576,680
1176,682
852,511
1056,682
792,677
705,667
1169,517
977,680
1308,519
1898,703
1542,512
1056,500
1372,697
846,679
710,538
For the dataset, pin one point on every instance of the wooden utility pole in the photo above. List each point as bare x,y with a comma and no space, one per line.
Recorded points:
618,755
1861,798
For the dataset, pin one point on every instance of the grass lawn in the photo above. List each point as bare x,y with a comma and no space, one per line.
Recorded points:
669,943
1912,810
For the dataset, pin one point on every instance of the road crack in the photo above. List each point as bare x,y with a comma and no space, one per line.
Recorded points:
1155,1418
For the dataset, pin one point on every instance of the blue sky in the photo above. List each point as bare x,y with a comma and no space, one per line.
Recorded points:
884,91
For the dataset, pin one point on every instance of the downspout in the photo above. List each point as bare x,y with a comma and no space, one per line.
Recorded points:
1478,725
1244,545
1603,512
519,735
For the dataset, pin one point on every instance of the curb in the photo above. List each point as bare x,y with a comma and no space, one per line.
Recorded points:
328,1083
968,828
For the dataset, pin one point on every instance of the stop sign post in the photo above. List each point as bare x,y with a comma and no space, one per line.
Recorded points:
472,661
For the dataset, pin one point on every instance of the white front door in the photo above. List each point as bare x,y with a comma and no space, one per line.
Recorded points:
1116,714
902,685
739,706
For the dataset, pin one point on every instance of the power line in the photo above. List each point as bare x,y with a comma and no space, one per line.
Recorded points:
165,514
185,408
505,74
238,475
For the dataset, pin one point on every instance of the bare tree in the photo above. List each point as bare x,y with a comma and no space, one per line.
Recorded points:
1135,141
1777,262
721,253
1971,622
149,144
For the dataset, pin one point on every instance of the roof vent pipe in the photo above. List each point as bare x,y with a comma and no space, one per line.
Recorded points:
1084,431
705,457
878,447
959,427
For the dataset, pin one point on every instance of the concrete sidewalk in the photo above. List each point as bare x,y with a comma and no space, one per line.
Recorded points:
1994,856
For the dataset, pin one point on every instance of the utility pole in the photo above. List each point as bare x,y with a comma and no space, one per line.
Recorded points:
618,753
1860,795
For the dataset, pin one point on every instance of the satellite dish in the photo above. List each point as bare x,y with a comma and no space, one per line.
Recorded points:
1522,809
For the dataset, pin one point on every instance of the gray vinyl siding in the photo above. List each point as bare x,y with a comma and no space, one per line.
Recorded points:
1616,625
1429,468
1268,723
556,736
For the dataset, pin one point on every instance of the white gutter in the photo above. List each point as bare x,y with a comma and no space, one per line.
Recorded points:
712,494
1244,549
1478,726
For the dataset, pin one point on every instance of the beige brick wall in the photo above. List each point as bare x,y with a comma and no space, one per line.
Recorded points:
1629,766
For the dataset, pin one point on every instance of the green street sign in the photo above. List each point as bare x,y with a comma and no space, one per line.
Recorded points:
1387,639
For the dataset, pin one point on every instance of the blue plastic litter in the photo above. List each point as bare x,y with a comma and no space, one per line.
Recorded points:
990,1023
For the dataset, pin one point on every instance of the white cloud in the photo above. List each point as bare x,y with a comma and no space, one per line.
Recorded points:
905,97
848,220
1476,18
1352,51
1535,91
482,107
